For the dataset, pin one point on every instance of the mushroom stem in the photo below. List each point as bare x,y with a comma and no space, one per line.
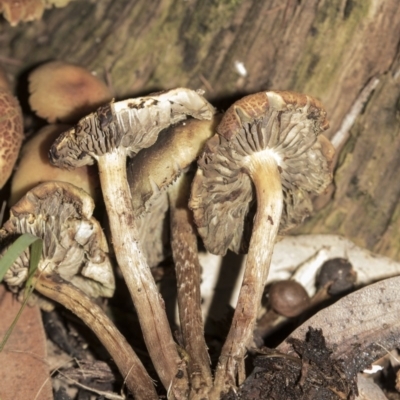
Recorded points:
188,275
125,237
263,170
131,368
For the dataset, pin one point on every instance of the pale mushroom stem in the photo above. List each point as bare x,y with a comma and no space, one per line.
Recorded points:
188,275
132,370
265,175
139,280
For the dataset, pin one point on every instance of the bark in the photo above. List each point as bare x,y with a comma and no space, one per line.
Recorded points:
329,49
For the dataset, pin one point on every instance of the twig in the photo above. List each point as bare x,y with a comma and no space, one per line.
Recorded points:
107,395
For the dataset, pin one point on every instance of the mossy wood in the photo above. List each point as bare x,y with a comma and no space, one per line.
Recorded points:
328,49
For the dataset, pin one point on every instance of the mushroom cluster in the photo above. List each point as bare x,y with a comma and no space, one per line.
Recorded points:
74,266
257,168
109,136
267,157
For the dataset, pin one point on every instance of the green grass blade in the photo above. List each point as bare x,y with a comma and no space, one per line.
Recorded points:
36,253
13,252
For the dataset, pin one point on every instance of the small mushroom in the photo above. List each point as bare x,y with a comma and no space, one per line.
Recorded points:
164,168
338,274
268,146
65,92
108,136
21,10
34,157
288,298
11,131
74,256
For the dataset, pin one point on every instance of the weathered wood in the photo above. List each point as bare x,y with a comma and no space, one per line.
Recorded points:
329,49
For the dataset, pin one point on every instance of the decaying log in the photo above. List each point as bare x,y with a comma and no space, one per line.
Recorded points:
328,49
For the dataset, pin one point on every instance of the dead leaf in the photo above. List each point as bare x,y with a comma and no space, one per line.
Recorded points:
24,373
360,327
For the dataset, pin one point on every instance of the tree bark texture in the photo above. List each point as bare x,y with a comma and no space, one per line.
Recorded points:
330,49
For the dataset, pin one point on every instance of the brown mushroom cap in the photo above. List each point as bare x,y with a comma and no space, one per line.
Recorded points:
74,244
129,125
338,273
288,298
65,92
34,157
21,10
286,125
11,133
152,170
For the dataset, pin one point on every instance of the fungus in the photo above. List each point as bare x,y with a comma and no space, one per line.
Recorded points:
21,10
74,256
74,245
338,274
288,298
11,131
267,143
109,136
34,157
131,368
65,92
164,168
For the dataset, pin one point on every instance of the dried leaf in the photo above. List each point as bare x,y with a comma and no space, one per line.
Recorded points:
360,327
24,373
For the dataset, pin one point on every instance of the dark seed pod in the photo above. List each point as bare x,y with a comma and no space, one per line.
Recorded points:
340,273
288,298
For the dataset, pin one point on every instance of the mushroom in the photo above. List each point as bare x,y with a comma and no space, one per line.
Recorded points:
34,157
11,131
21,10
269,143
338,275
164,168
109,136
288,298
132,370
74,244
74,250
65,92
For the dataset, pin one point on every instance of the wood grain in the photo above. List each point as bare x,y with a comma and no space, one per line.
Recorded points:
328,49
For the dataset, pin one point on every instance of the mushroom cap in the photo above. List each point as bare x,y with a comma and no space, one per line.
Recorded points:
34,157
285,125
338,273
22,10
152,170
288,298
65,92
74,244
129,125
11,133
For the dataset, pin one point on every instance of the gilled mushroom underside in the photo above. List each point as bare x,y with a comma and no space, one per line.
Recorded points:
74,244
111,125
224,188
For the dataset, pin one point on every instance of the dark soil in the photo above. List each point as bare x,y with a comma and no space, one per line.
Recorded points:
309,373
